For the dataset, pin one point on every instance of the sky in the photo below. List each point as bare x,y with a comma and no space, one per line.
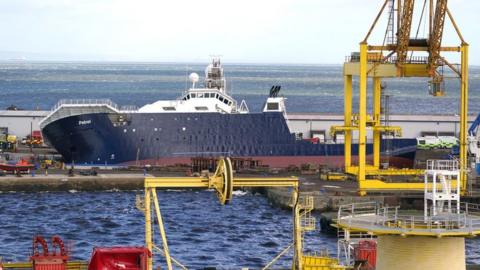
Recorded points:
250,31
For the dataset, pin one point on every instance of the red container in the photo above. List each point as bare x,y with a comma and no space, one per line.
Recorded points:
131,258
366,251
50,263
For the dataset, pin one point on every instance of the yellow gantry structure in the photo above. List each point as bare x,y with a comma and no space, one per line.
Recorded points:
223,183
375,62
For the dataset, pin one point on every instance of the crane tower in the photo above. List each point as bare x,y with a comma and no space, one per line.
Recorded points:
400,55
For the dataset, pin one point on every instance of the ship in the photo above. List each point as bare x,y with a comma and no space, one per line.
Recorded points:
204,122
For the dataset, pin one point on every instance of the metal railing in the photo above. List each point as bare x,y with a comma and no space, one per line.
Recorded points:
128,108
467,220
447,165
105,101
358,209
390,60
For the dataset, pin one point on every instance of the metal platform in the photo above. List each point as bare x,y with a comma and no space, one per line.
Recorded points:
377,219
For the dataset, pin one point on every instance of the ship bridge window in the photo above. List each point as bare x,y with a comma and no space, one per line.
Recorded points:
200,95
193,95
225,101
207,95
272,106
221,98
201,108
169,108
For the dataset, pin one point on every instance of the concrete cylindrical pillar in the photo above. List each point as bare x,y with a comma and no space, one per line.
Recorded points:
420,253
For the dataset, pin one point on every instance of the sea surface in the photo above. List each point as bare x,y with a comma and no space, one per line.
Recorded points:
201,233
309,88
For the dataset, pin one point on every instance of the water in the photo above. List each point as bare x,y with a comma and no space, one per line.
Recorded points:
201,232
309,88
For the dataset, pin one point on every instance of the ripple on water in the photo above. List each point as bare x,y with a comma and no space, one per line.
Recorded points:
268,244
200,234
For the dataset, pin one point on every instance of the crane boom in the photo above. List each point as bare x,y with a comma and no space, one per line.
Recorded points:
436,36
404,31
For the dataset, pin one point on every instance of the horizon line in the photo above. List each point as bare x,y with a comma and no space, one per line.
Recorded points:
196,62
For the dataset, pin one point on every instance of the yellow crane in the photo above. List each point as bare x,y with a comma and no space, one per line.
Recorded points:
223,182
399,58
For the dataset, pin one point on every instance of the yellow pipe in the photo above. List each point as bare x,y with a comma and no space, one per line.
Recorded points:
362,132
162,230
379,185
348,120
177,182
148,227
376,116
463,117
297,232
203,182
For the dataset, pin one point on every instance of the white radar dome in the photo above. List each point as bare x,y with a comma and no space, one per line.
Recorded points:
193,77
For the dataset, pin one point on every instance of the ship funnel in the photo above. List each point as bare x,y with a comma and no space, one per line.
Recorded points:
275,103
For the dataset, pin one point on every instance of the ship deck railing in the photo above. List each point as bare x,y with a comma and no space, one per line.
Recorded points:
95,102
78,106
104,101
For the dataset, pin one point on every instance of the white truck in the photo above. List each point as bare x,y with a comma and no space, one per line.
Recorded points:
436,142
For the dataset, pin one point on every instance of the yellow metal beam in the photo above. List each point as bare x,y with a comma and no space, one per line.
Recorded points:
297,233
463,117
348,119
148,226
396,129
376,116
166,250
71,265
436,35
176,182
414,49
379,185
403,36
362,131
203,182
387,70
460,36
372,170
393,172
266,182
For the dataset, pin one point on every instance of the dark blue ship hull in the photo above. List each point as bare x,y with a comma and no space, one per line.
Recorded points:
169,138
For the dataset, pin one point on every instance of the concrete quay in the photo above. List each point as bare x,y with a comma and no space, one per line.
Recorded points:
62,182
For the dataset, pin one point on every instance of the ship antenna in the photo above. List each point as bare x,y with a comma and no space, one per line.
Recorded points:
186,77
